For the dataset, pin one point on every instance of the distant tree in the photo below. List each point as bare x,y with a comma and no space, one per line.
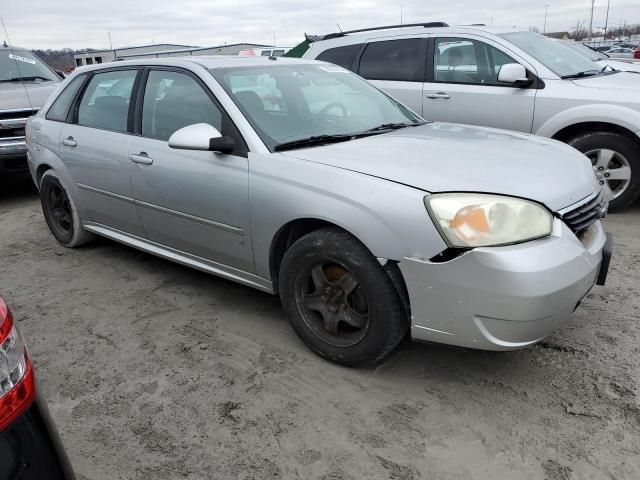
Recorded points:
534,29
580,31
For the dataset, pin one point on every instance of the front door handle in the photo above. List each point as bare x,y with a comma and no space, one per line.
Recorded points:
69,142
141,158
442,95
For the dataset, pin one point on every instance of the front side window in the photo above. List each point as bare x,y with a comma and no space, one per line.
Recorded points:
342,56
22,65
60,107
173,100
556,57
286,103
462,60
400,60
105,102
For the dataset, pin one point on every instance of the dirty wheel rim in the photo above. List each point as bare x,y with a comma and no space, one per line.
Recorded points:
333,304
60,210
612,170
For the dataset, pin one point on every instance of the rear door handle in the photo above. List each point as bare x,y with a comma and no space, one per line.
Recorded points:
69,142
443,95
141,158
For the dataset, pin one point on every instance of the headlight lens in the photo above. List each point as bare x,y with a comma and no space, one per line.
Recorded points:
477,220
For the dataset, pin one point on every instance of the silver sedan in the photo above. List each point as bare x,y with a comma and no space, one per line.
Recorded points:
301,179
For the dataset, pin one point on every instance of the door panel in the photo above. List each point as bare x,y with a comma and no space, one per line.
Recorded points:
194,201
463,87
96,158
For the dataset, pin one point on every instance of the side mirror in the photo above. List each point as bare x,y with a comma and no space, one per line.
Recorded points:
60,74
201,136
513,73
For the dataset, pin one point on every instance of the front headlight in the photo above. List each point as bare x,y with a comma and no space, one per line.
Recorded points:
476,220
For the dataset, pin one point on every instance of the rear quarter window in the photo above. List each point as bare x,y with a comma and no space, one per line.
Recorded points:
60,108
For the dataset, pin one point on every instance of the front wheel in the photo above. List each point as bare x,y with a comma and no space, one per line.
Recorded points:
340,300
616,161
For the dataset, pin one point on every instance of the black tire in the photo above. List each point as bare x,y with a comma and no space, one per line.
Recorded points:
623,146
60,212
371,318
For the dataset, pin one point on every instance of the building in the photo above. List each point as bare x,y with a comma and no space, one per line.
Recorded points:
229,49
102,56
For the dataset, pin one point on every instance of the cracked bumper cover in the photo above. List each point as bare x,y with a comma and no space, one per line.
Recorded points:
503,298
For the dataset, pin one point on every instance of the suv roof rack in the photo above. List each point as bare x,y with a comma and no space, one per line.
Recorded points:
386,27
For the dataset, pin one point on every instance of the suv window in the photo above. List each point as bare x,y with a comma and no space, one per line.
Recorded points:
61,105
342,56
173,100
400,60
103,105
461,60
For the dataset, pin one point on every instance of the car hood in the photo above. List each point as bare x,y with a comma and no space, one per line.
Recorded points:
616,81
620,65
442,157
13,95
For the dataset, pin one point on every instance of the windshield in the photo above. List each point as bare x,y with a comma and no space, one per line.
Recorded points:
556,57
287,103
22,64
585,51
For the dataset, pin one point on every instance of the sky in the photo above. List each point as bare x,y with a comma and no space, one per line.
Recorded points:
86,23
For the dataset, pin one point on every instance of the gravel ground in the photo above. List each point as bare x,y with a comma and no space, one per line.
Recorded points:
155,371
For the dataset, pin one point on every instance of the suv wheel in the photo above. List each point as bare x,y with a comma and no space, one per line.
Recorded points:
616,161
339,299
61,213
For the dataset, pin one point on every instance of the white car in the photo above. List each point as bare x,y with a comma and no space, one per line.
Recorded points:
504,78
620,52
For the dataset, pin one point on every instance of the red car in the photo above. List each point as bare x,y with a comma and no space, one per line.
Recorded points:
636,54
29,445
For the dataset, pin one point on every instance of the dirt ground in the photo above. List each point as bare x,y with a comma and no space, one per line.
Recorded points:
155,371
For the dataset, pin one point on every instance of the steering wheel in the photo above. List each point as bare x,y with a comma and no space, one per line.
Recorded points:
332,105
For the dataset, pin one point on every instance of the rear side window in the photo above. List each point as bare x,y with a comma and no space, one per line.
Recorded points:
342,56
60,107
105,103
401,60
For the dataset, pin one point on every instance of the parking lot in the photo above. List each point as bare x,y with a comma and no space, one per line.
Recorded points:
156,371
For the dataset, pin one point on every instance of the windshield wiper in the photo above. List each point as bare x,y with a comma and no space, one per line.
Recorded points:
24,79
325,139
586,73
312,141
393,126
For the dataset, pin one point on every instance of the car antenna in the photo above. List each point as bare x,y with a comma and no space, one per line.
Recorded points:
15,59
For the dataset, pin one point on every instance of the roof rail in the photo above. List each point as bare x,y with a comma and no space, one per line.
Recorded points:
386,27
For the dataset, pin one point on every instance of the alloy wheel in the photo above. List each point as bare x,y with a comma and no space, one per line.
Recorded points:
60,210
333,304
612,170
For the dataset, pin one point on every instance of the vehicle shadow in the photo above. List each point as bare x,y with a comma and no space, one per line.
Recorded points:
16,189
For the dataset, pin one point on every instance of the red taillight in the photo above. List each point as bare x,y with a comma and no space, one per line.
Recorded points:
17,382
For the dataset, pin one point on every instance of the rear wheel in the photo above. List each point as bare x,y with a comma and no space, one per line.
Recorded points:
616,161
339,299
61,213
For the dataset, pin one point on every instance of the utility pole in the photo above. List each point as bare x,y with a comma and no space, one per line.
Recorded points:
606,22
401,7
110,45
591,20
546,10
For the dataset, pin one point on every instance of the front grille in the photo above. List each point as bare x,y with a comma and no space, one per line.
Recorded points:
12,124
13,114
583,216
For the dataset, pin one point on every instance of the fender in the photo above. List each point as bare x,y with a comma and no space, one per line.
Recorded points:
603,113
